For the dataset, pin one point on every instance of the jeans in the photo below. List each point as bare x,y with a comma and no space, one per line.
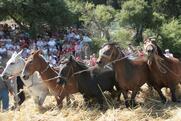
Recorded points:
5,98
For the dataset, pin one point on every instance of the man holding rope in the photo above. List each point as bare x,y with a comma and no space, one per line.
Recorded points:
5,86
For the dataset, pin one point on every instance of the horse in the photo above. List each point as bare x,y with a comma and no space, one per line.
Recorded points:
130,74
166,71
36,88
36,62
91,81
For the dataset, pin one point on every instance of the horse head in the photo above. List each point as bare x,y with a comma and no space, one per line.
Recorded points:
152,50
14,66
108,53
35,62
69,68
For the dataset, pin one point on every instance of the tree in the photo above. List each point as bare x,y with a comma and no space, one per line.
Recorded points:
171,36
98,17
170,8
31,15
137,15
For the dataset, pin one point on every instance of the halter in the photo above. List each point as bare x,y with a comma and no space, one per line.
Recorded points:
45,69
107,56
150,44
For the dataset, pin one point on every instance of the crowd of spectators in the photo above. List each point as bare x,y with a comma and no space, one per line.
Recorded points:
54,45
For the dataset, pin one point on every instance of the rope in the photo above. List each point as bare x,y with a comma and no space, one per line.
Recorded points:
85,70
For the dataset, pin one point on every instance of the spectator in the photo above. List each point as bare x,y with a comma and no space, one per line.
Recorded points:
4,87
168,54
140,53
93,59
86,61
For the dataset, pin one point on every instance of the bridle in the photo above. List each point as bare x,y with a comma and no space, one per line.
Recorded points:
45,69
107,56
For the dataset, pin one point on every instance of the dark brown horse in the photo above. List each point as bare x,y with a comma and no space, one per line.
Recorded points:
130,74
91,82
35,62
166,71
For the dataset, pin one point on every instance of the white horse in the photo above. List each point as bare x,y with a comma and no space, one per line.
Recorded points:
35,86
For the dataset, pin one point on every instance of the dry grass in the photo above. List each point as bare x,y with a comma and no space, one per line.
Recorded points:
149,109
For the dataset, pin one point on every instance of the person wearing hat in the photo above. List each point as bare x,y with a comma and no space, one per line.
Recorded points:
168,54
5,88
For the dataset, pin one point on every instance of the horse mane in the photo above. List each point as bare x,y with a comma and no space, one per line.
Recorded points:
110,43
160,52
81,65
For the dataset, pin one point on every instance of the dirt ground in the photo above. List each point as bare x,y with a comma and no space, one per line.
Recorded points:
149,109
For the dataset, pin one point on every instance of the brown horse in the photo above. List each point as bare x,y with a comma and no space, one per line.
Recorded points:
35,62
130,74
166,71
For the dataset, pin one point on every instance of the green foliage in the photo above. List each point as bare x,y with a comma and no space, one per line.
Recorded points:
122,36
134,13
31,15
170,8
97,43
98,18
171,36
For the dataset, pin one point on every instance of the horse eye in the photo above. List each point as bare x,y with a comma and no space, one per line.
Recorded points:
30,62
12,63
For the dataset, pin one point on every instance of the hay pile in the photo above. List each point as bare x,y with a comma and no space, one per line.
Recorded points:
149,109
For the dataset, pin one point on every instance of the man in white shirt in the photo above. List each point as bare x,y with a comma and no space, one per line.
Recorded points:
168,54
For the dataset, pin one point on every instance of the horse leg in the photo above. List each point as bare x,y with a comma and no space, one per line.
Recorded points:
59,100
160,94
119,95
36,100
125,95
173,90
41,101
68,100
87,100
99,98
133,95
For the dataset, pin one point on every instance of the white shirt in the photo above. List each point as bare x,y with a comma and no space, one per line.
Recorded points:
52,43
168,55
87,39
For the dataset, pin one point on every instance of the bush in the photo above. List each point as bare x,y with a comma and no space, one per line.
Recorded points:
171,36
122,36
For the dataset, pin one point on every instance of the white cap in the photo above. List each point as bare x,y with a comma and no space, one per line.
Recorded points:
167,50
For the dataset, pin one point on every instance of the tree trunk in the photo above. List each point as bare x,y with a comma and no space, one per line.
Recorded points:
138,37
107,35
19,23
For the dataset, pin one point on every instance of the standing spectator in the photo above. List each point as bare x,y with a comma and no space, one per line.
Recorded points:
87,50
4,87
168,54
86,61
140,53
93,59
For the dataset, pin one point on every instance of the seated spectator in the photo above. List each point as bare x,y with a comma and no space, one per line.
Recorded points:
168,54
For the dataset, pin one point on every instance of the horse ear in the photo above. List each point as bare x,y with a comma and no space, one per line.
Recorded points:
19,54
71,58
14,54
36,53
